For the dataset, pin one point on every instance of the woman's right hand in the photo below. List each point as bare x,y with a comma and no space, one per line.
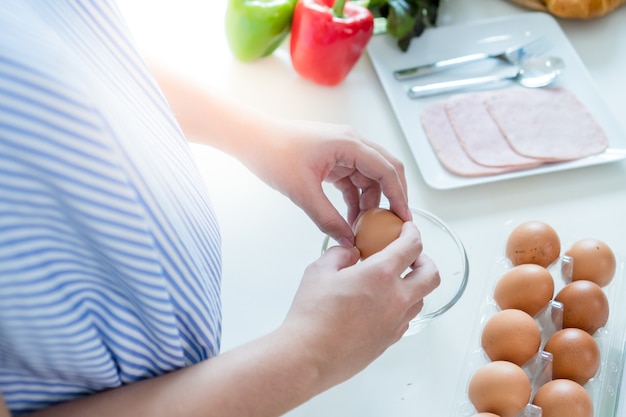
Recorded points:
344,315
347,313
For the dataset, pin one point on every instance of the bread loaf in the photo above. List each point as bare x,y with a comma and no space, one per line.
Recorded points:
578,9
583,9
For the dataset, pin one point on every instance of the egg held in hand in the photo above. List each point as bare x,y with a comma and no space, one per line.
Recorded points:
533,242
375,229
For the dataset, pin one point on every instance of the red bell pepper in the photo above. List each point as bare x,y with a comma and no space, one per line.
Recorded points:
328,37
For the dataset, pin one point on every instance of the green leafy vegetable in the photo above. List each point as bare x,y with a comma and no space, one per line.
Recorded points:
405,19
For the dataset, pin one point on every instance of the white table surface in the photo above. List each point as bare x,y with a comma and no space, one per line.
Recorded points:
268,241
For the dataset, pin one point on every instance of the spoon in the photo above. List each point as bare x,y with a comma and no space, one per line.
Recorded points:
533,73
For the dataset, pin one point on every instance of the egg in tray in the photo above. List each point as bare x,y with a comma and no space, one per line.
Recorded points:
548,342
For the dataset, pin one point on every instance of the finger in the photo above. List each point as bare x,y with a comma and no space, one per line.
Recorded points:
398,165
327,218
337,258
351,196
422,281
399,254
424,278
370,191
359,193
391,177
373,170
379,166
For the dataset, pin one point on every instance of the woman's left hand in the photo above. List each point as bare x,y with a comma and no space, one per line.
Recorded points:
297,157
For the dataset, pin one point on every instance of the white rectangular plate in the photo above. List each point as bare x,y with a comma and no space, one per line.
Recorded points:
491,35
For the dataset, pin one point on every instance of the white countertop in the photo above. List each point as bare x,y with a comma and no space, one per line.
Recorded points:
268,241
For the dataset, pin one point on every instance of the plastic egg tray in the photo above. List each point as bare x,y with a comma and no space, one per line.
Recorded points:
604,387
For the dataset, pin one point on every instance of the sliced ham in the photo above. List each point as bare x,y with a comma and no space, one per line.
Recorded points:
447,147
548,124
488,133
480,136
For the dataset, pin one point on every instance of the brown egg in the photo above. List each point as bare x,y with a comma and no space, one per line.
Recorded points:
527,287
375,229
562,397
575,355
585,306
511,335
533,242
593,260
499,387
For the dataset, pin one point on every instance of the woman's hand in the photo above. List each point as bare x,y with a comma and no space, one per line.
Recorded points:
296,157
345,314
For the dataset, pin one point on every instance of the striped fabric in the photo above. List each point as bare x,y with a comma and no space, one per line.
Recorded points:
109,248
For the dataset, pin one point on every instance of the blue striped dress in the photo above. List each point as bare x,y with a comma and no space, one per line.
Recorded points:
110,258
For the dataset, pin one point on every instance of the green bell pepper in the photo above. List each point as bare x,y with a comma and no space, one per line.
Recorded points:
255,28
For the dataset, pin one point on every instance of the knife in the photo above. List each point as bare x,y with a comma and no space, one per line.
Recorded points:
514,55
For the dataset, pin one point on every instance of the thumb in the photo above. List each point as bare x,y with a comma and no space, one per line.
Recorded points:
339,257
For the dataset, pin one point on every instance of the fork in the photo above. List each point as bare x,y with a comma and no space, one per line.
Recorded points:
514,55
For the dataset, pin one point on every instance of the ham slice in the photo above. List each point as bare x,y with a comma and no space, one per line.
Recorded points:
489,133
548,124
447,147
480,136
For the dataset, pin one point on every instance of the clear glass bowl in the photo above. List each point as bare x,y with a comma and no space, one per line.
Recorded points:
445,248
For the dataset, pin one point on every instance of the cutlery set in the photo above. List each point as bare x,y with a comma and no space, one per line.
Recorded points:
528,67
